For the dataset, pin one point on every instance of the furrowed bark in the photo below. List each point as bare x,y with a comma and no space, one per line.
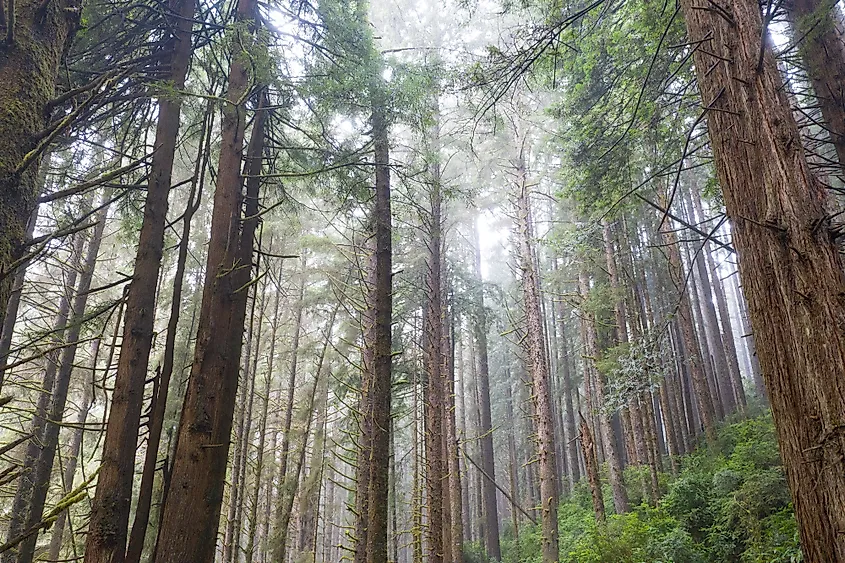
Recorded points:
189,524
792,274
107,530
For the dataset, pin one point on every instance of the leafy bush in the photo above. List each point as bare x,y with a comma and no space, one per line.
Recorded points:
728,505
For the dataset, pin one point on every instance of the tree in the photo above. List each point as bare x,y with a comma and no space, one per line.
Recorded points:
37,34
538,367
374,442
107,531
491,515
789,264
200,459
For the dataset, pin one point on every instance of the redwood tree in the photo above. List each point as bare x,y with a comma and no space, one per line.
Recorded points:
189,522
791,271
107,530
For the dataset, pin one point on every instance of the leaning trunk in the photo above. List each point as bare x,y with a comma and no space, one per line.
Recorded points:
106,540
189,523
789,263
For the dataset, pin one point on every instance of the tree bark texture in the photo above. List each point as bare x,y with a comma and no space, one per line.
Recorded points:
190,520
36,38
790,267
106,539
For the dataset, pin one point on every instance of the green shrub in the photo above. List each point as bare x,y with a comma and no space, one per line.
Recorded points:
729,504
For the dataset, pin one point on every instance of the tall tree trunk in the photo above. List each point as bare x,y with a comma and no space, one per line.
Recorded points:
418,483
536,361
456,532
22,502
377,360
249,552
491,515
310,496
159,403
394,501
106,540
724,316
189,524
436,471
271,499
748,339
614,463
791,271
687,328
703,342
48,441
243,434
281,517
818,29
37,35
512,458
715,341
463,430
569,412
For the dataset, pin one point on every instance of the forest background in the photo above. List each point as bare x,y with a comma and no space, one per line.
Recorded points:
421,281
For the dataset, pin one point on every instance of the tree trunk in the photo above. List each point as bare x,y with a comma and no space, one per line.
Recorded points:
37,36
418,483
748,339
8,326
21,504
512,459
436,473
281,518
614,463
536,360
591,464
480,326
235,527
724,317
377,358
159,403
75,445
189,524
456,532
569,412
690,342
714,338
817,28
48,441
249,552
106,540
789,263
703,342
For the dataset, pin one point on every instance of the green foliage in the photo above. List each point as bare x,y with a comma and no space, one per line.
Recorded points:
730,505
474,553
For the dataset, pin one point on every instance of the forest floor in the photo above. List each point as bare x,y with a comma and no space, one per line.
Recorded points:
725,505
